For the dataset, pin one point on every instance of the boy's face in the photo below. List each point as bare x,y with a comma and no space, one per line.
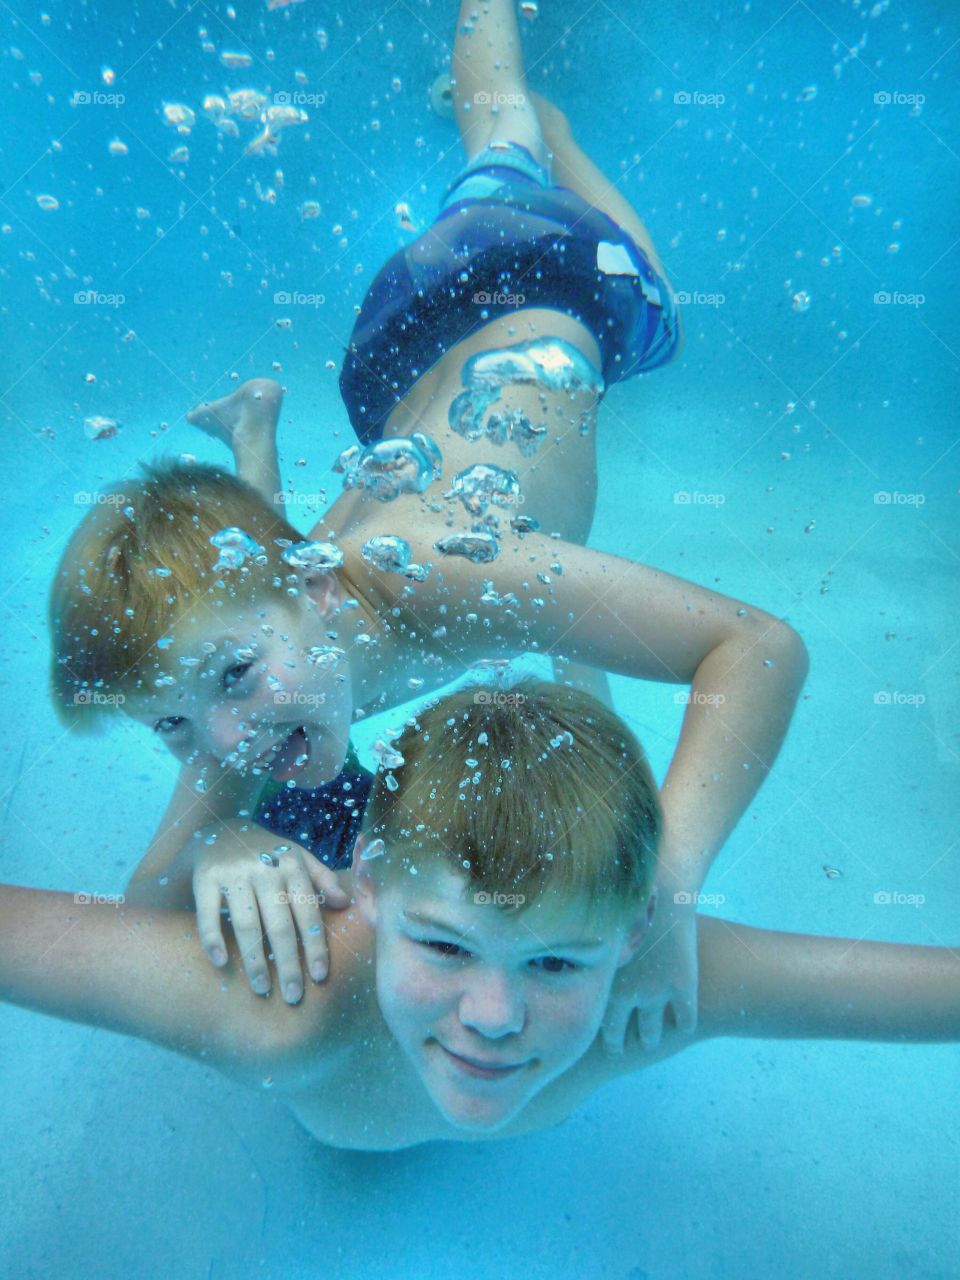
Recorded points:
235,688
460,981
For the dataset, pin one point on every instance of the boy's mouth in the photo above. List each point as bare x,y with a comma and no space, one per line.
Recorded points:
291,757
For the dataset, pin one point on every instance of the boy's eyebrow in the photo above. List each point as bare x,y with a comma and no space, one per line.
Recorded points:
578,945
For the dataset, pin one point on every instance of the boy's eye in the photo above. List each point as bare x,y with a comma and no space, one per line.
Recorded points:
233,675
444,948
553,965
169,724
559,962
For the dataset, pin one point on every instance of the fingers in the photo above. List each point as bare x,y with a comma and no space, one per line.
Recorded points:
268,907
325,879
278,925
305,905
207,894
614,1029
247,929
650,1026
685,1013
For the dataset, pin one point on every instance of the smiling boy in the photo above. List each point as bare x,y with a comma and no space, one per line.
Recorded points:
469,983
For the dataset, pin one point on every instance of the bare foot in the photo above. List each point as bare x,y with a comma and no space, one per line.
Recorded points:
242,417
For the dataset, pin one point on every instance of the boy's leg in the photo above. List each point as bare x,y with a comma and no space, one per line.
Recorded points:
489,83
493,103
246,422
573,168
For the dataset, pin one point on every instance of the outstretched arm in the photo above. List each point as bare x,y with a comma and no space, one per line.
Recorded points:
744,668
760,982
141,972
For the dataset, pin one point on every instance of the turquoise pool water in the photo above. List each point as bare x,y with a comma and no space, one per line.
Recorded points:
797,166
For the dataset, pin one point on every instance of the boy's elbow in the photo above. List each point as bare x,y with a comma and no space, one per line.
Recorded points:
794,650
781,645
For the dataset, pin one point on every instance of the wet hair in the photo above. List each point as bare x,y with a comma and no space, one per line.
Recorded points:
519,787
136,564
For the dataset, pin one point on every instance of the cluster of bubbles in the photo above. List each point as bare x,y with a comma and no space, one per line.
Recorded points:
482,484
326,655
238,105
548,363
391,467
390,553
320,557
235,547
479,487
479,547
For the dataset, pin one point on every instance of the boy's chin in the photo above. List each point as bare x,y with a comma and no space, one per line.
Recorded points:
327,758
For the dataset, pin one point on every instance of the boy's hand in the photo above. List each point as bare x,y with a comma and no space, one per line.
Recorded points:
273,900
663,972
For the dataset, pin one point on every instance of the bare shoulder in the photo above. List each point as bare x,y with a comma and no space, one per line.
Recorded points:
302,1042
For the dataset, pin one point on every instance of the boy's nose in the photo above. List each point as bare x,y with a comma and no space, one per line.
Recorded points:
226,736
491,1007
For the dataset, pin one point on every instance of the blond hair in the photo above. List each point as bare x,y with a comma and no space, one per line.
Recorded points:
539,783
138,561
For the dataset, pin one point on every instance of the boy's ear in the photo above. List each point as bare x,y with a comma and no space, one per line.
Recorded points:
638,930
364,885
325,591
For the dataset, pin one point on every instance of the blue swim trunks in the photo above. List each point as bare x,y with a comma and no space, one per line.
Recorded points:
505,239
326,819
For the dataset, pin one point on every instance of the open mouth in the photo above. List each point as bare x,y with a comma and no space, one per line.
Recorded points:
288,758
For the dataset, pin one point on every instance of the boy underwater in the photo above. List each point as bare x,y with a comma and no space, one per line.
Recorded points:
502,878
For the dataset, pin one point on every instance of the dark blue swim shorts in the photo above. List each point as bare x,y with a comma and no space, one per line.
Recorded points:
326,819
505,239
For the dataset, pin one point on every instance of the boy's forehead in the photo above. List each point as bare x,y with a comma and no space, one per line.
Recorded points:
210,629
440,893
